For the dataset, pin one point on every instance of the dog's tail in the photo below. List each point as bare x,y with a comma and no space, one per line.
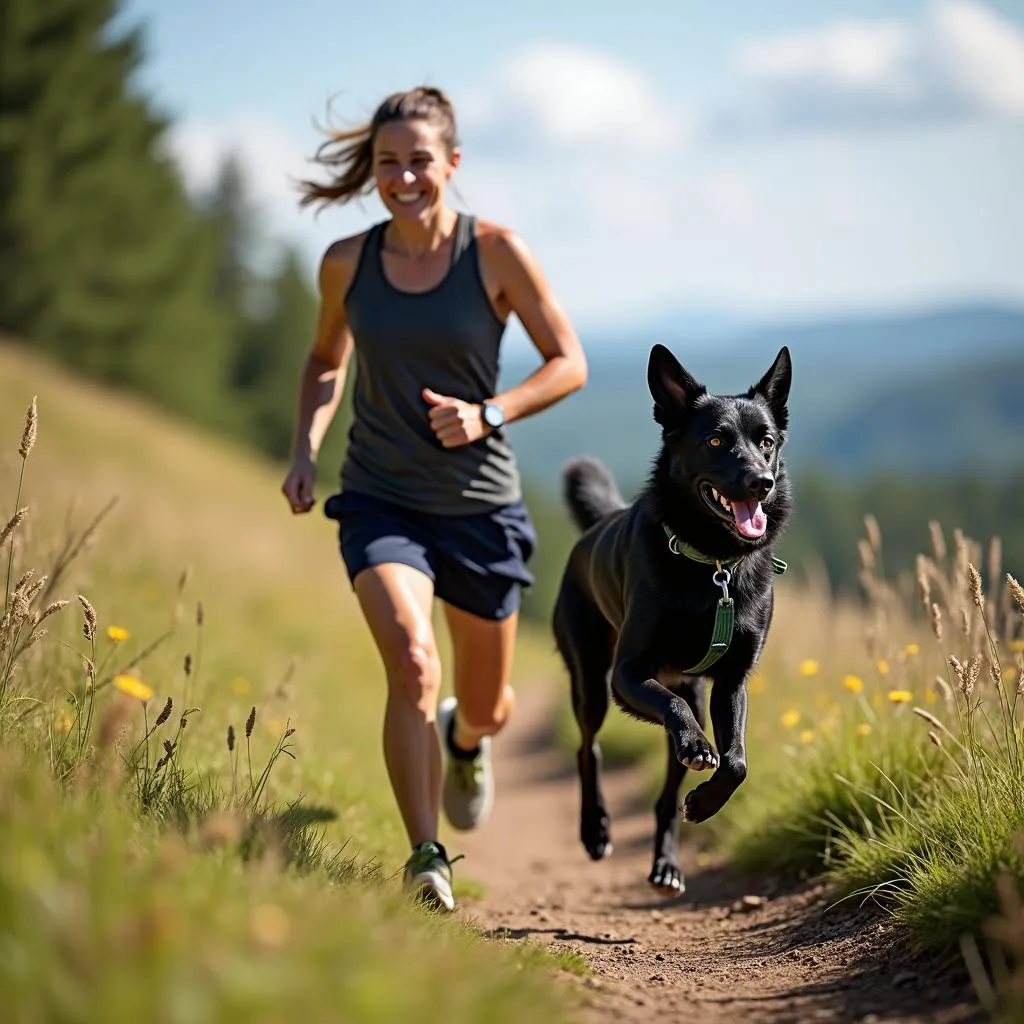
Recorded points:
589,490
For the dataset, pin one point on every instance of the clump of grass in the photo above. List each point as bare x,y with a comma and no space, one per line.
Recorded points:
850,780
939,868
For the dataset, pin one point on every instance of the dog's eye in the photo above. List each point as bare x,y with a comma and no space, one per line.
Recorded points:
767,443
714,442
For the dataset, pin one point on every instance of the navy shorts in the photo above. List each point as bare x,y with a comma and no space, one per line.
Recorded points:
477,561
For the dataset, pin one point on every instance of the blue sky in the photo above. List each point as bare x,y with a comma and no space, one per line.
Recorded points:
783,158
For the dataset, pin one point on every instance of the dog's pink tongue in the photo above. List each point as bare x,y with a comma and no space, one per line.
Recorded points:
750,518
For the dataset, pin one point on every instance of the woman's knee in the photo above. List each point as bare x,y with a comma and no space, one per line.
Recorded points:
414,671
486,717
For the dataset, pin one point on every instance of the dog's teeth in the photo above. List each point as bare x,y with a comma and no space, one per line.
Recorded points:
715,494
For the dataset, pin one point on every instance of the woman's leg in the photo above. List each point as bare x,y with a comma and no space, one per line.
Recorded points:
396,602
482,656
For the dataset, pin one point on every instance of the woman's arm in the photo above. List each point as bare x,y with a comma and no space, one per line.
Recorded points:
521,289
323,376
527,293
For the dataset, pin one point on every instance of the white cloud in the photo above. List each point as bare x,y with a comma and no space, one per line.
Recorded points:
961,60
982,54
272,161
268,155
570,97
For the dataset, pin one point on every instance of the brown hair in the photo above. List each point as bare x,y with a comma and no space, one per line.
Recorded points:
348,155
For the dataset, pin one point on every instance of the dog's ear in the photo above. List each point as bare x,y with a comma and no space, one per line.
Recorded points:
774,387
672,388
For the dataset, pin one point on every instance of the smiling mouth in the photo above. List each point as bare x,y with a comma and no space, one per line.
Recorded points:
747,518
407,198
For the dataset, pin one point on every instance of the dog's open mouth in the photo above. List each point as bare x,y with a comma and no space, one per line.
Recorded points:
747,518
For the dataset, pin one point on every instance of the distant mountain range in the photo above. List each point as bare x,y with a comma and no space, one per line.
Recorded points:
936,391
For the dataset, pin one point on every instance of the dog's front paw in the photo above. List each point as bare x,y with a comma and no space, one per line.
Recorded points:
595,834
694,750
667,877
701,803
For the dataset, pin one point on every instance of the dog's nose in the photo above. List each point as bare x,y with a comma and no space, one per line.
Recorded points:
760,484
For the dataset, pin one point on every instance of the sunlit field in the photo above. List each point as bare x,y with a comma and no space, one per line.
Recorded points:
195,822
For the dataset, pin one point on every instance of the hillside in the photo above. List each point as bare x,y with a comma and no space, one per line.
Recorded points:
936,391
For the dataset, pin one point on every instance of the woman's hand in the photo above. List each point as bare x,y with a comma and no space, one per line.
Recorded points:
454,421
298,484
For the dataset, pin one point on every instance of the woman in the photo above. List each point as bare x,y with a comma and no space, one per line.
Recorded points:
430,501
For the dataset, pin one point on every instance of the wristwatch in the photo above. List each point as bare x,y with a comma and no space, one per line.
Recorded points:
494,415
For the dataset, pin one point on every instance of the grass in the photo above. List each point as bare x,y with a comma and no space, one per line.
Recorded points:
151,868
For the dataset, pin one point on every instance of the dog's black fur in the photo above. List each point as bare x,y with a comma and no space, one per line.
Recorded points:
631,614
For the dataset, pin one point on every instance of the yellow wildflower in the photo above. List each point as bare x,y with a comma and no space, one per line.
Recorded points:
790,718
912,649
853,683
883,667
117,633
1017,645
240,685
806,735
809,667
133,686
930,696
863,729
900,696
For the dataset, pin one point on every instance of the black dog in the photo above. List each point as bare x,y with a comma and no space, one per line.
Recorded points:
651,591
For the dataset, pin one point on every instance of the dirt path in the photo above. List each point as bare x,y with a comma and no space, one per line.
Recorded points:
791,958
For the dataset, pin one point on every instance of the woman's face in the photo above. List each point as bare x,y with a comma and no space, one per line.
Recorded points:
411,167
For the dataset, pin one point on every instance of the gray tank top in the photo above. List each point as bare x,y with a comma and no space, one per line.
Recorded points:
447,339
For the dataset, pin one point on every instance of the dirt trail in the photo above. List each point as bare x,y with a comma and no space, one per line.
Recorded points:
653,959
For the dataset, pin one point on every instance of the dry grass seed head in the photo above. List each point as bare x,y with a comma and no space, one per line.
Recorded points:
1016,591
52,608
937,621
944,689
231,738
974,581
89,626
165,714
972,672
250,722
924,586
965,622
938,540
12,524
31,431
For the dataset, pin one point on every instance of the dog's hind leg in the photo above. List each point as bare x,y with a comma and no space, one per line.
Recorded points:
666,874
585,640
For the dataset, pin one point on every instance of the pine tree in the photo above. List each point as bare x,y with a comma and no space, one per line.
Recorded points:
104,261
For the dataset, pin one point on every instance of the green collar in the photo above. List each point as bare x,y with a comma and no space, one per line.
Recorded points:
679,547
725,610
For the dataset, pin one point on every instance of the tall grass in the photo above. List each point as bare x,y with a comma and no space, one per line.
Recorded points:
194,821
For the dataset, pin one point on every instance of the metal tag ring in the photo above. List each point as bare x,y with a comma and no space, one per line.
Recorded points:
725,577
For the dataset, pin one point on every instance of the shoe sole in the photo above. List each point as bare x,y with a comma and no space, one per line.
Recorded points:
432,890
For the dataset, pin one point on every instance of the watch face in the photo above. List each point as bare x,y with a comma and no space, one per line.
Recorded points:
493,416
